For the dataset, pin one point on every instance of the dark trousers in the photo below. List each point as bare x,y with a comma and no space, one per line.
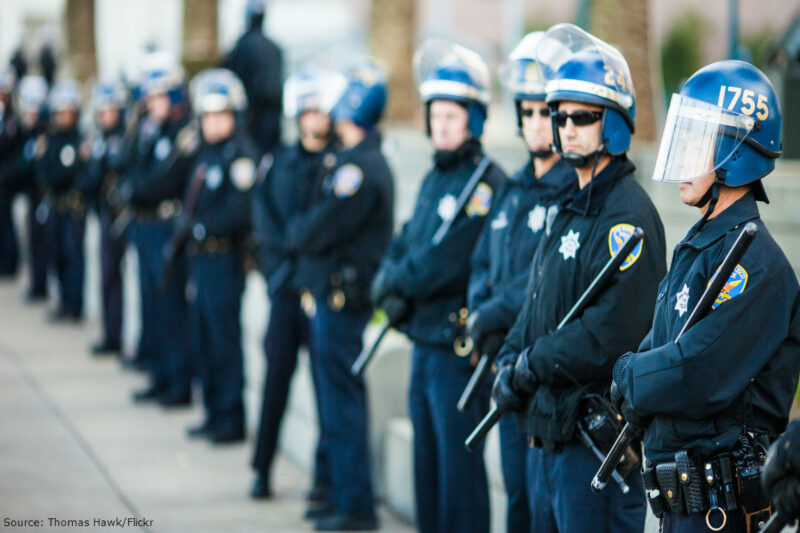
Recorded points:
164,310
217,283
111,253
514,459
336,341
563,502
37,245
696,523
9,247
451,488
67,231
287,331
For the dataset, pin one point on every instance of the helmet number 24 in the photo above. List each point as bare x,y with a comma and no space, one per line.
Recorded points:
748,99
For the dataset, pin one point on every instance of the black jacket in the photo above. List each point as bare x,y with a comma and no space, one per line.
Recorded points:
434,278
106,164
60,166
738,367
502,257
259,64
284,192
340,238
589,228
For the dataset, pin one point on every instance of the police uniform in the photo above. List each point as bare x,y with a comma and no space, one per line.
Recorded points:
11,141
285,192
713,399
57,171
106,164
156,182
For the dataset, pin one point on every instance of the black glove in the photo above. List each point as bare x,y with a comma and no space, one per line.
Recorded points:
786,497
490,344
396,308
503,393
783,460
525,381
631,415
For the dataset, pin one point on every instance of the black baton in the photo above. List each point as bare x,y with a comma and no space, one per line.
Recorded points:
368,352
494,415
775,524
703,305
472,183
484,363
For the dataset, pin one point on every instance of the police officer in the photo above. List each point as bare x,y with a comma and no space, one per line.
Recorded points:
592,113
339,240
450,483
781,478
10,142
153,188
215,223
502,256
286,191
714,398
57,169
17,170
259,64
106,163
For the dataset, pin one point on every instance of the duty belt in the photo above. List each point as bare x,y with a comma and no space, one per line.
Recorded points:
211,245
69,201
164,211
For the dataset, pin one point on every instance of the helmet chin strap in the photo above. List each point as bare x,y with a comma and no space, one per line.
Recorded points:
711,196
541,154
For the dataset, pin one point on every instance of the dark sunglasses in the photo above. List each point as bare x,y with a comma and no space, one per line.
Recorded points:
579,118
528,113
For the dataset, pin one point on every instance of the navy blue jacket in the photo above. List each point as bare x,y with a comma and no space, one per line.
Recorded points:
284,192
589,228
17,163
738,367
106,164
502,257
60,166
434,278
341,237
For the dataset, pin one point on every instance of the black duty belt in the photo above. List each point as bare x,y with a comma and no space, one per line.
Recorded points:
211,245
165,210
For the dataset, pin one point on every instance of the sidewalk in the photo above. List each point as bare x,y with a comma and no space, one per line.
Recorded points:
74,447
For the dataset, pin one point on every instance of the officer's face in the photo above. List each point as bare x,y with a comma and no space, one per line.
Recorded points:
108,118
315,124
693,191
536,127
217,126
66,119
581,140
29,119
448,125
158,107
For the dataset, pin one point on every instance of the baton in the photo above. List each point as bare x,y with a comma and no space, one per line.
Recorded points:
462,200
121,223
775,524
589,443
368,352
475,379
716,284
494,415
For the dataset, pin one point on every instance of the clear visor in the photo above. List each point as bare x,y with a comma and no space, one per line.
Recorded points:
698,139
436,53
316,89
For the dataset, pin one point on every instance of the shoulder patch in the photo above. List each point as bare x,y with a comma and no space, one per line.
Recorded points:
733,287
347,180
481,201
616,239
188,139
243,173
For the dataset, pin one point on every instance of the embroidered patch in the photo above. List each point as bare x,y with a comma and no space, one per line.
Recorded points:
500,221
447,207
480,202
733,287
214,177
243,173
536,217
347,180
682,300
569,244
67,155
616,239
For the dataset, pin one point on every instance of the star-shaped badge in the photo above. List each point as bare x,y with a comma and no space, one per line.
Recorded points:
536,218
447,207
569,244
682,303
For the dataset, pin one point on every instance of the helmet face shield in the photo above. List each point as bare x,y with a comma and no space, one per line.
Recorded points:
698,139
450,71
217,90
312,89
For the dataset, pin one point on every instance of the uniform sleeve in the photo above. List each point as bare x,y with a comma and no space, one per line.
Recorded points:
502,308
478,290
167,179
714,361
587,347
514,339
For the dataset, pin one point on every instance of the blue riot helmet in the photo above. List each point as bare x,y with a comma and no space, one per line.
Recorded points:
447,71
520,75
726,121
217,90
364,96
32,94
65,96
312,88
579,67
107,94
161,74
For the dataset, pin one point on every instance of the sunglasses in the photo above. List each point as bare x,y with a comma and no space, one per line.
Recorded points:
528,113
579,118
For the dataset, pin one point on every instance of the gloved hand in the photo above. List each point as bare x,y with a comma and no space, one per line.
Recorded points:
631,415
490,344
525,381
396,308
503,392
782,471
786,497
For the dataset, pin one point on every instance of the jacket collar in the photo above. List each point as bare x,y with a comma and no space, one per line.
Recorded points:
590,199
742,210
